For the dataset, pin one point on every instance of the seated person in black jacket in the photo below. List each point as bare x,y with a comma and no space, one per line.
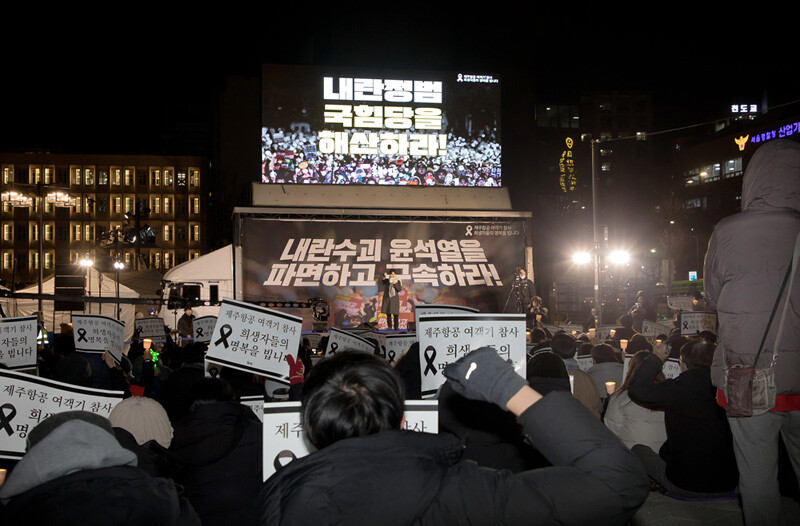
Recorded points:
697,460
217,448
369,471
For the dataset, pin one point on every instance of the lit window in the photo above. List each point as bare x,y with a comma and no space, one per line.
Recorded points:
194,177
196,205
167,205
195,232
89,176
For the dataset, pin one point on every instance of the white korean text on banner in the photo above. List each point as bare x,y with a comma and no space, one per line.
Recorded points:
152,328
341,125
339,340
18,342
695,322
284,440
254,339
437,262
439,308
26,400
95,333
444,338
203,327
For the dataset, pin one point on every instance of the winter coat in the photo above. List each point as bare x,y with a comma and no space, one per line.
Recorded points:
633,423
748,256
218,451
391,304
79,474
404,477
699,447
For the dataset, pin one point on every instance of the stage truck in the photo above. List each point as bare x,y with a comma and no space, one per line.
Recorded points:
326,264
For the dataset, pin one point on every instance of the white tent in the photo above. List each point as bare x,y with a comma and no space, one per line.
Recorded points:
99,285
209,271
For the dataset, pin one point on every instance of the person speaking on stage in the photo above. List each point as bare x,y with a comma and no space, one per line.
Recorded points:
391,298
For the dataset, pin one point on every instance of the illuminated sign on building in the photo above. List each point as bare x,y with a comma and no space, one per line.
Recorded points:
566,168
782,132
740,109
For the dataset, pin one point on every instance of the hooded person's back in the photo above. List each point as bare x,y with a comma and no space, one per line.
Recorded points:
747,259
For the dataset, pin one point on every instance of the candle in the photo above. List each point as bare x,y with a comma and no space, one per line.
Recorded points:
611,387
612,332
623,344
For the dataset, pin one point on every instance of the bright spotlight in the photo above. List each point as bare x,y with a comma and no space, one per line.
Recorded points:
581,258
619,257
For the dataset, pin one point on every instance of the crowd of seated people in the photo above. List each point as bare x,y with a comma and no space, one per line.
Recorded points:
182,449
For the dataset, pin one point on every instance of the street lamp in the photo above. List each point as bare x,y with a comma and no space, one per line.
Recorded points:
87,263
118,266
56,197
619,257
581,258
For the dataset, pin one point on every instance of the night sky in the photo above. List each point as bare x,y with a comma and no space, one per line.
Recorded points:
122,84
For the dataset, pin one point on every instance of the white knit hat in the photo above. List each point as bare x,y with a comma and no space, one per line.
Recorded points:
144,418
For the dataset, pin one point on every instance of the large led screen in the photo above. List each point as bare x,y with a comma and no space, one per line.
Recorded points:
329,125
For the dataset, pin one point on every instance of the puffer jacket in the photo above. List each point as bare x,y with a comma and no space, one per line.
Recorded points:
748,256
218,451
404,477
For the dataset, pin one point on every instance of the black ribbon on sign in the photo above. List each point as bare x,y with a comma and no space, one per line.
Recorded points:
82,335
139,330
333,348
686,325
283,454
200,332
213,371
391,356
430,355
5,419
225,331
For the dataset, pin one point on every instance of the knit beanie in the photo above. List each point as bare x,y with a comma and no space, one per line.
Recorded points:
144,418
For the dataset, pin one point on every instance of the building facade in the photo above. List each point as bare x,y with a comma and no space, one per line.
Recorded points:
140,210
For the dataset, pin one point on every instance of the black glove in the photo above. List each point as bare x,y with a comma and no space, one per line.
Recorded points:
483,375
